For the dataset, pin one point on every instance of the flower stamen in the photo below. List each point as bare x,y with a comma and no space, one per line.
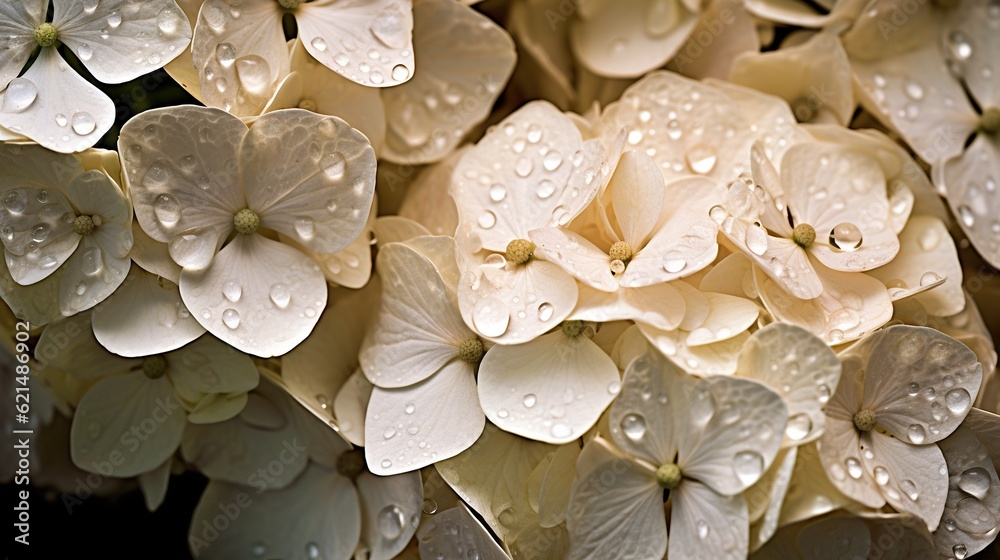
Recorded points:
865,420
289,4
668,476
572,329
471,351
989,122
520,251
83,225
46,35
246,221
804,235
154,366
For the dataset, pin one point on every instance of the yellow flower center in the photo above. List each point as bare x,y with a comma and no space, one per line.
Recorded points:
83,225
804,235
246,221
289,4
154,366
668,476
519,251
471,351
46,35
864,420
989,122
620,251
572,328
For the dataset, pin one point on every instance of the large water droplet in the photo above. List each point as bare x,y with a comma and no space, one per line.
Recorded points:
487,220
231,318
756,239
916,433
232,291
254,73
497,192
83,123
390,28
334,165
975,481
21,93
523,167
167,210
391,521
490,316
92,262
958,400
545,311
845,236
959,45
529,400
748,466
400,73
633,426
226,54
881,476
280,295
798,426
854,468
305,227
701,158
910,489
552,160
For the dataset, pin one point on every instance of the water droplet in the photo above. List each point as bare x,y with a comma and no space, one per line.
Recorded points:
490,316
312,551
389,28
280,295
798,426
90,5
633,426
254,73
960,551
702,528
854,468
92,261
231,318
552,160
975,481
21,93
673,262
305,227
545,188
959,45
81,288
913,90
756,239
497,192
430,507
386,463
561,430
83,123
334,165
529,400
166,208
881,476
701,158
928,278
40,233
226,54
845,236
958,400
487,220
545,311
232,291
910,489
400,73
523,167
748,466
114,20
916,433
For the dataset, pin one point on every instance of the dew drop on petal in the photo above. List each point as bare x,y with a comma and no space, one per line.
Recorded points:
975,481
702,528
881,476
166,208
391,521
487,220
313,551
916,433
798,426
232,291
633,426
92,261
701,158
545,311
529,400
854,468
958,400
226,54
21,93
490,316
231,318
910,489
334,165
756,239
748,466
83,123
845,236
280,295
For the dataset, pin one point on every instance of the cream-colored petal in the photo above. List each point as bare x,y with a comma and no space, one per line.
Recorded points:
239,51
562,385
577,256
704,524
120,41
322,201
56,107
659,305
127,424
557,486
351,405
969,521
840,453
727,317
765,498
455,532
288,523
93,273
971,182
913,478
411,427
389,506
209,366
810,492
465,61
18,23
624,519
154,485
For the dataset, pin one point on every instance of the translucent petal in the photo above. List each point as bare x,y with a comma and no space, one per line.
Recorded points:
18,21
456,530
916,483
973,495
971,180
706,524
389,506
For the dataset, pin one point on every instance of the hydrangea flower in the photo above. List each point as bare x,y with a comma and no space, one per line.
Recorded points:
199,176
903,389
116,40
66,226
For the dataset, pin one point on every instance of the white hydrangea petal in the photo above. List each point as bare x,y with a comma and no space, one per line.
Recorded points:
905,362
685,243
206,365
810,492
341,36
976,22
637,195
310,177
37,303
516,305
144,317
659,305
445,421
840,453
217,407
696,306
687,108
926,255
154,485
814,77
397,229
239,51
781,259
541,155
833,537
234,450
700,59
973,495
286,523
937,124
91,275
705,524
418,329
333,94
727,456
260,296
576,255
69,345
727,317
625,520
153,256
389,506
850,305
179,164
556,486
917,481
315,370
182,69
468,535
766,498
563,384
18,21
464,57
733,275
644,427
801,368
966,177
350,406
618,41
350,267
718,358
110,414
37,232
55,106
120,40
428,198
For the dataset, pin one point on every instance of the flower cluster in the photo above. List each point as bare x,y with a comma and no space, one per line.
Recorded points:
528,279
